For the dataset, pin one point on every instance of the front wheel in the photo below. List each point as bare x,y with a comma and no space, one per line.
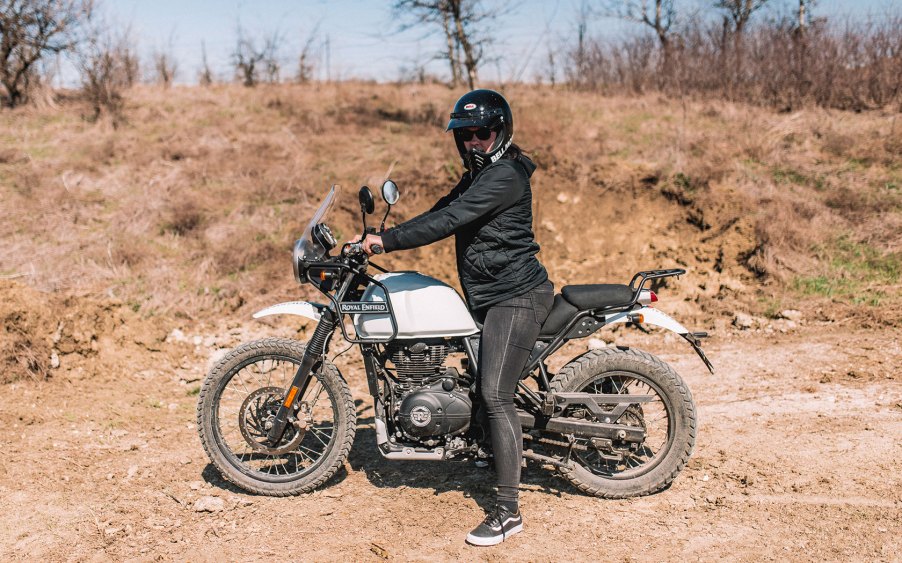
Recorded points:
241,396
621,470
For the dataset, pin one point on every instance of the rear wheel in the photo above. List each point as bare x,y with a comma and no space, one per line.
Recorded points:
240,398
614,469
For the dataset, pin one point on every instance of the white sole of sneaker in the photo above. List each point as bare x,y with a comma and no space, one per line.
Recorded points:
484,542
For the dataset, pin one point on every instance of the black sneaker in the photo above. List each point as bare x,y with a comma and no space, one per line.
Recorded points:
498,525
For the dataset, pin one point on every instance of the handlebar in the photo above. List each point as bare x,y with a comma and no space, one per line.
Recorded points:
357,248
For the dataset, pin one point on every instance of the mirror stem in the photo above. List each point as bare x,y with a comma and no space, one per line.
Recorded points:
384,217
363,217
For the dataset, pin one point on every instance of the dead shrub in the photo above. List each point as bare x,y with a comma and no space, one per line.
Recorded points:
852,64
182,217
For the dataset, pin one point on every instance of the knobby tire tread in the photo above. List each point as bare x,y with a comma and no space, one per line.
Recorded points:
331,378
591,363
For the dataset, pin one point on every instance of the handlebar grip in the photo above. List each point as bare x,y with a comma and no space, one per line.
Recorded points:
377,249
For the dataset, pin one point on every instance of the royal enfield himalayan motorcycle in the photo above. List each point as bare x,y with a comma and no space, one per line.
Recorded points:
277,418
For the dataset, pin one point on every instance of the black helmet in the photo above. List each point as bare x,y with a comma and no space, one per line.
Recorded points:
482,108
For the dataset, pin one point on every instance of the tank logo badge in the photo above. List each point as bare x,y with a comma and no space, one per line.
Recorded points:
363,308
468,107
420,416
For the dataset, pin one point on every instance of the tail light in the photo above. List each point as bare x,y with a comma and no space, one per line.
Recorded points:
647,297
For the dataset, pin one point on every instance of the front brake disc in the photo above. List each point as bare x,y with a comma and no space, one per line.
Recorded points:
258,411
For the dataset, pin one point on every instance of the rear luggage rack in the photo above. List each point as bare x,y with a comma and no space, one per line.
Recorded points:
654,274
644,276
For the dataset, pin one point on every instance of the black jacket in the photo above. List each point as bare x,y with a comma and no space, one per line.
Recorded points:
491,217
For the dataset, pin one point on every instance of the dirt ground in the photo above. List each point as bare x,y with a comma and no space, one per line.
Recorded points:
799,457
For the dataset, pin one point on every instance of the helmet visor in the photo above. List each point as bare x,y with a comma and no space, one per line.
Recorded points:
459,120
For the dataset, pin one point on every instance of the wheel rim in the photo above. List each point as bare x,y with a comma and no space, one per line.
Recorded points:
243,403
654,417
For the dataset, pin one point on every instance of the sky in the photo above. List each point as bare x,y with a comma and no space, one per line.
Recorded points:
360,39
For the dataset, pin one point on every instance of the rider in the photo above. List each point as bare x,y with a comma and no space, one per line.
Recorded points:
490,213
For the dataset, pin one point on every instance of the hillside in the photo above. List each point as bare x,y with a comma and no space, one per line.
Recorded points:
190,207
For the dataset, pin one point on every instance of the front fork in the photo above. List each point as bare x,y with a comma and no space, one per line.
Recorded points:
316,350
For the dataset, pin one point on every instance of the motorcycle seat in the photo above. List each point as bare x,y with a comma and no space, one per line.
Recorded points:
561,312
597,296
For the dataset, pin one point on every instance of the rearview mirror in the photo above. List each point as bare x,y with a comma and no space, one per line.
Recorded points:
390,192
367,204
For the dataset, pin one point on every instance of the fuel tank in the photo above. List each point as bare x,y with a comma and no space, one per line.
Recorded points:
424,307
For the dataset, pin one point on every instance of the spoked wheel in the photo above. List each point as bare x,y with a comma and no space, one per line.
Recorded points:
238,402
619,468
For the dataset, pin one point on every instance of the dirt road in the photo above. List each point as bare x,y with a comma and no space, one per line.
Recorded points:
799,457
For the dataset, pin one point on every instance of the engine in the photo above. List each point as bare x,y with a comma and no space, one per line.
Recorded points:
416,362
428,400
436,410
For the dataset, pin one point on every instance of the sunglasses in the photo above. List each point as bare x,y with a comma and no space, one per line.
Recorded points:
483,134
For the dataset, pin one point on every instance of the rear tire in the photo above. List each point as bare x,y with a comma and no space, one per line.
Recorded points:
588,373
229,419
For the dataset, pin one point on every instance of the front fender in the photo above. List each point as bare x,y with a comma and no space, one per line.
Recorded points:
299,308
655,317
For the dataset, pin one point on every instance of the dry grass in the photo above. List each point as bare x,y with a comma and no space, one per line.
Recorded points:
191,206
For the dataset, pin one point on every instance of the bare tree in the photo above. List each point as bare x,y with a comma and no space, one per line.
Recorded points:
251,61
740,11
205,75
462,23
659,15
272,64
165,67
434,13
470,18
579,57
550,68
106,65
246,59
306,66
804,13
30,30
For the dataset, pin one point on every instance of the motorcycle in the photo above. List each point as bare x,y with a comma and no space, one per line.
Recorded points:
277,418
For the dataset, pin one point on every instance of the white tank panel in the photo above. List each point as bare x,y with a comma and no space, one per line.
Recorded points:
423,307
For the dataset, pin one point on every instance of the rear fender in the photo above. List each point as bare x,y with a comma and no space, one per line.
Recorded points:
298,308
655,317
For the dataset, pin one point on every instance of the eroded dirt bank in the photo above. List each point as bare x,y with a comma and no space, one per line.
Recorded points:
798,457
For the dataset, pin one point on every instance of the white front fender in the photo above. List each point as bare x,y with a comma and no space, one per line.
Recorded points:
651,317
299,308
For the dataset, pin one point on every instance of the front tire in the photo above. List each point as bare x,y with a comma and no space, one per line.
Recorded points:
240,396
668,445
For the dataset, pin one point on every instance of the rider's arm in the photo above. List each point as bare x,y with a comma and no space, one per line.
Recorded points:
495,190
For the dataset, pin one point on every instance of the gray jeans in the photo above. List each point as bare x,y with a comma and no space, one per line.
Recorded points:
509,333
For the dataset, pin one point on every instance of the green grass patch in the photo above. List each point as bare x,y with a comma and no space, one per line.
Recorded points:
770,306
853,266
790,176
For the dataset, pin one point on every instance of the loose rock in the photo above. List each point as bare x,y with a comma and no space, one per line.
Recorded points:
791,314
209,504
743,321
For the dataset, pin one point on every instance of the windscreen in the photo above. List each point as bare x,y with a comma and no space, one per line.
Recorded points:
306,248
